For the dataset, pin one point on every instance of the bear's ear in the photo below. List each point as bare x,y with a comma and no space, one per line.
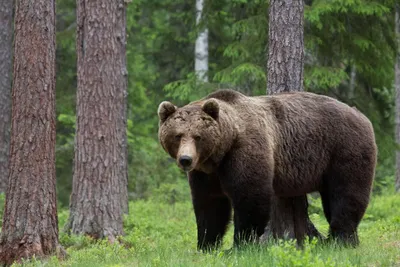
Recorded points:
165,109
211,107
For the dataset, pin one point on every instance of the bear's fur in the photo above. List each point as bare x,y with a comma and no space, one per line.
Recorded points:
239,150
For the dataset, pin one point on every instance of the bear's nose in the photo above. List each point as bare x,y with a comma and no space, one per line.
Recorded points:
185,161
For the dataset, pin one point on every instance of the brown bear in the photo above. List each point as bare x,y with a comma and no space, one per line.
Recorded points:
238,151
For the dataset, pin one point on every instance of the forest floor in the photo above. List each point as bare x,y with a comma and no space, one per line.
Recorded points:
160,234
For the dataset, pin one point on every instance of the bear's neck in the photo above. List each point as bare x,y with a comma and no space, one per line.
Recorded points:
228,135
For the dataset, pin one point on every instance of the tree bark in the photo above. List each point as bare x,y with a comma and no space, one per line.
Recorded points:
30,224
99,194
286,46
397,86
6,17
201,47
289,216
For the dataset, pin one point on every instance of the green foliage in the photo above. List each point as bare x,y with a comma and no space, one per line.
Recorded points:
382,207
172,193
324,78
162,234
355,32
287,254
150,166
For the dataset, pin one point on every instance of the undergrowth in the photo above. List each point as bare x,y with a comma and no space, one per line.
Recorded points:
163,233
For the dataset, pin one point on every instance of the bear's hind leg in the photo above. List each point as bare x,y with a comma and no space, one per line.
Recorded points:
345,218
212,210
346,196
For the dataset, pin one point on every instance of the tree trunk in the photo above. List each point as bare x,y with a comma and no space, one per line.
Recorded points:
352,82
201,48
99,193
397,85
286,46
6,11
289,216
30,224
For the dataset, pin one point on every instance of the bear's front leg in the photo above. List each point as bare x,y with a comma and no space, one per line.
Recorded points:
247,179
212,209
251,215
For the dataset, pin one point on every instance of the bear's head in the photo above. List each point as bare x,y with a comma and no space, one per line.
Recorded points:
191,133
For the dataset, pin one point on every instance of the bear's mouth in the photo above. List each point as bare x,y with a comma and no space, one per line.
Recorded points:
186,169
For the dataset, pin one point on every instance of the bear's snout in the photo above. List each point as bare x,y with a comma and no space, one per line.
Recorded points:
185,161
187,156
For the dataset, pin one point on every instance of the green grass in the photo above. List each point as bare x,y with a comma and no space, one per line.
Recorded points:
160,234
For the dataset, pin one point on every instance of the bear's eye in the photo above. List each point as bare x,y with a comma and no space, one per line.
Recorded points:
178,137
197,137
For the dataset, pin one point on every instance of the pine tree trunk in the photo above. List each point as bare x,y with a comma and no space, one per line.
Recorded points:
201,47
30,224
289,216
397,86
6,10
286,46
99,193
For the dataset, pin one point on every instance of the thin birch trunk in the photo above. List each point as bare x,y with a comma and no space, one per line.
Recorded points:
352,82
201,48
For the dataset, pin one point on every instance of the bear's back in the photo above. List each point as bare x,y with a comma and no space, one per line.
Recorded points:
227,95
297,112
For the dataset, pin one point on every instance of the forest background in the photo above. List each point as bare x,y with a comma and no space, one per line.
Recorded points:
349,54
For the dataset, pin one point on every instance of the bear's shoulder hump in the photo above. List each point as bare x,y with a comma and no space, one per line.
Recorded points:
226,95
